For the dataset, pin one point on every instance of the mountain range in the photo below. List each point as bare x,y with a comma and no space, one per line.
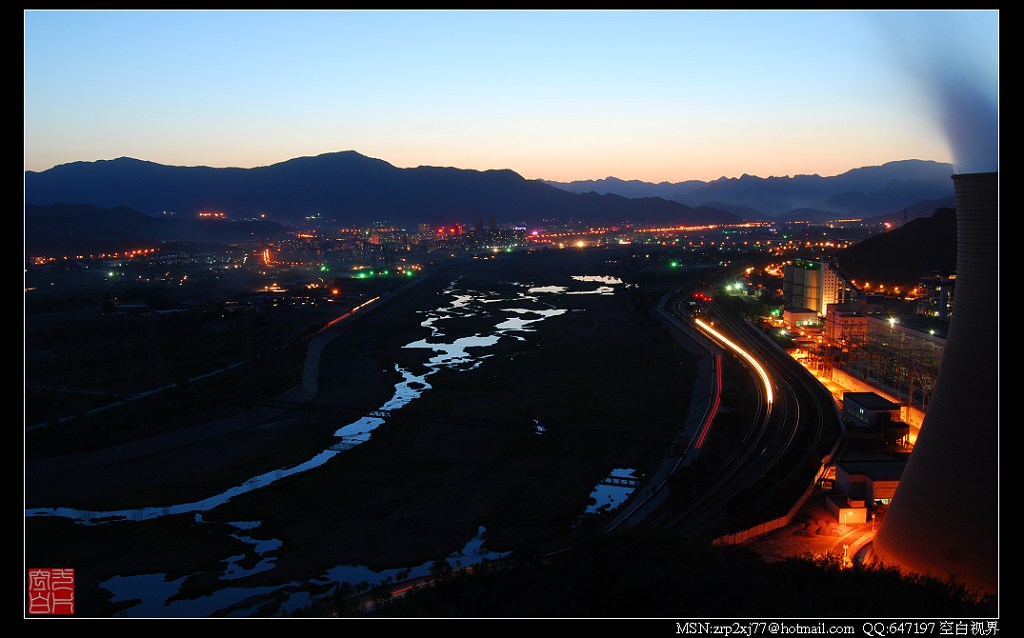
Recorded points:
348,188
861,192
352,189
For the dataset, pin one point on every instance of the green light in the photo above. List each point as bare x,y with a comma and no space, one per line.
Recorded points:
408,273
509,249
384,273
674,264
361,275
324,268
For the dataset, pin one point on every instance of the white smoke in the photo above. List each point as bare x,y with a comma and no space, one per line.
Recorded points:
953,58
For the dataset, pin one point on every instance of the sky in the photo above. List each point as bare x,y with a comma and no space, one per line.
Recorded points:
557,95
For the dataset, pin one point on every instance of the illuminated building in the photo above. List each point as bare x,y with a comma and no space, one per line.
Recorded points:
937,298
814,285
872,481
834,286
799,318
801,284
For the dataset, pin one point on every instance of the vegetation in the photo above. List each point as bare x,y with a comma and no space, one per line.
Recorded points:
653,574
92,364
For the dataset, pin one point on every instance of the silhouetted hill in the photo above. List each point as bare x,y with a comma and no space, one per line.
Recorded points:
902,255
915,210
653,574
66,229
347,187
746,212
860,192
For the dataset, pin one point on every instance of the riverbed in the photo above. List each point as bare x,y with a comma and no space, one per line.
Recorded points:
463,451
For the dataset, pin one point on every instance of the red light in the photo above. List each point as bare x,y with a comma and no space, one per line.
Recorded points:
335,291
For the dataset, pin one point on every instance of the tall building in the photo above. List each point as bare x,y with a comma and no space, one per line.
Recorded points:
801,284
835,289
814,285
937,295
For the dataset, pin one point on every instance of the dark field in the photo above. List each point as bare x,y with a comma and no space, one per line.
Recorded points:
464,455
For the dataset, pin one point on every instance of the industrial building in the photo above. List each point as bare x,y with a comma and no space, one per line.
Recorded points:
799,318
869,410
814,285
870,481
899,355
846,509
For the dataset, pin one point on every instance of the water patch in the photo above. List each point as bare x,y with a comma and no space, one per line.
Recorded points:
154,592
604,279
453,355
612,491
234,570
236,524
605,289
600,290
472,553
546,289
515,324
410,387
91,517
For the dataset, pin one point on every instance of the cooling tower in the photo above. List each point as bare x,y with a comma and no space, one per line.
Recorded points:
943,519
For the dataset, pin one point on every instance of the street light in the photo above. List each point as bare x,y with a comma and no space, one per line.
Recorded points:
846,514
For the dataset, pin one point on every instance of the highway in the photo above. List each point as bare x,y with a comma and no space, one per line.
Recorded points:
782,441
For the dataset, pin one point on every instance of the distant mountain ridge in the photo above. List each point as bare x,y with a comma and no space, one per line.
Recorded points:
347,187
860,192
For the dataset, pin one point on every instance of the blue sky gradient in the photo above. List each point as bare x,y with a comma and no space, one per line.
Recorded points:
561,95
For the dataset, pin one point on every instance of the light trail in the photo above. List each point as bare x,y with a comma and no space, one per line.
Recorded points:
714,407
346,315
743,353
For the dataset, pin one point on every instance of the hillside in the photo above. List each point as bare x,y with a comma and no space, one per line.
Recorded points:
902,255
62,229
